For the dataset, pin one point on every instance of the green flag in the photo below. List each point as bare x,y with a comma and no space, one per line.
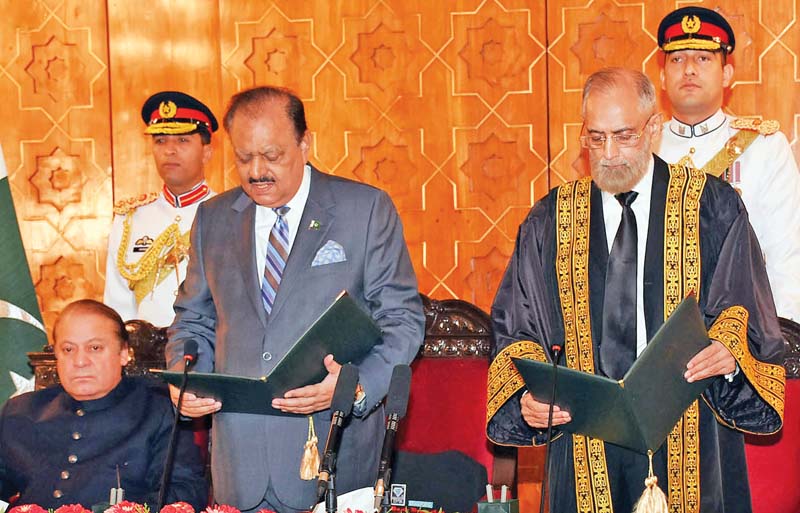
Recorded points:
21,327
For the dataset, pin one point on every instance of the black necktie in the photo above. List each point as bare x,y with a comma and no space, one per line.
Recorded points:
618,346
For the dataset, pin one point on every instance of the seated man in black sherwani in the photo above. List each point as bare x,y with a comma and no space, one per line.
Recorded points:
66,444
599,264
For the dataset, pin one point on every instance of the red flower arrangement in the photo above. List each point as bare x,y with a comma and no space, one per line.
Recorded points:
221,508
178,507
398,509
132,507
72,508
27,508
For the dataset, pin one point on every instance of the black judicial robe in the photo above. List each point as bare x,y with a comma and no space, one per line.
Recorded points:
732,275
55,450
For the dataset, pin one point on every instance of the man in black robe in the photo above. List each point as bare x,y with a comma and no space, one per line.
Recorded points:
692,234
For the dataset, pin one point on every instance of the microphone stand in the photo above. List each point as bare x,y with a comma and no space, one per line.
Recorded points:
396,405
385,502
189,358
330,494
556,356
341,405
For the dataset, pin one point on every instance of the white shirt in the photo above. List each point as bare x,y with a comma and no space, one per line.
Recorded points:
612,216
266,217
767,177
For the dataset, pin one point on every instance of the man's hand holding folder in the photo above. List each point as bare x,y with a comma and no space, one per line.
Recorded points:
303,400
638,411
193,406
311,398
714,360
303,380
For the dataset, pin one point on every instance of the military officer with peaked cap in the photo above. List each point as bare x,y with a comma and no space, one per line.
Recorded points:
149,239
751,154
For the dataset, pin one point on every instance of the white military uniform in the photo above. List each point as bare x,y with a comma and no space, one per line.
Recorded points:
151,216
766,175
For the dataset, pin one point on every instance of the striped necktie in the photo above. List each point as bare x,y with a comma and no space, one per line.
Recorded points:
277,253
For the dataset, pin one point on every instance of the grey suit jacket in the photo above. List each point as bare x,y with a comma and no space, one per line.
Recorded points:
219,306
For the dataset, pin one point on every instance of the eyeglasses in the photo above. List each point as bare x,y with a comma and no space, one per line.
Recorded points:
597,141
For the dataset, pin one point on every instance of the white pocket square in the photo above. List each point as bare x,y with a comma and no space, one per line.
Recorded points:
330,253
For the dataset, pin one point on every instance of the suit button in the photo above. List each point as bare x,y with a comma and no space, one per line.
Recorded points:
65,474
80,413
76,436
267,356
58,494
72,458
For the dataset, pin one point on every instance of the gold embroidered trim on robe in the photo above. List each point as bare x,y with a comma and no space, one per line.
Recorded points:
592,489
504,380
682,268
682,271
768,379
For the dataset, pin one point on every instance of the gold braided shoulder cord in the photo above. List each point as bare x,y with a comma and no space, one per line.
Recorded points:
592,490
149,261
748,131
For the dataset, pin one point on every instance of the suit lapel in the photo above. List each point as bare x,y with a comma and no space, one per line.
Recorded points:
247,265
319,208
654,253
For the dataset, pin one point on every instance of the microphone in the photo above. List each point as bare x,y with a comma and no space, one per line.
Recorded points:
190,350
396,404
556,356
341,405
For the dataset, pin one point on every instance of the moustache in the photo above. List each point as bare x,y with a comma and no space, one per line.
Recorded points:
262,179
613,163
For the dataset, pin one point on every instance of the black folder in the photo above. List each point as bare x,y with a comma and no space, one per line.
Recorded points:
343,330
640,410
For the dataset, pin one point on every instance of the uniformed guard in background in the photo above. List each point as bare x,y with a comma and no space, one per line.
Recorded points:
751,154
149,240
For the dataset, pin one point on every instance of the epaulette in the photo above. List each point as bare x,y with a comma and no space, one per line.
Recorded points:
762,126
125,206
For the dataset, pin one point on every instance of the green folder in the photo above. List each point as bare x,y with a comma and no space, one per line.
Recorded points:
343,330
639,411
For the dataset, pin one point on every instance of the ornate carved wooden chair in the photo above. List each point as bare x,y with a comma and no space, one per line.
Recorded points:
447,406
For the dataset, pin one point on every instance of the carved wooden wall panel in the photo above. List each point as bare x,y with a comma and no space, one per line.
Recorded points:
56,138
434,102
170,45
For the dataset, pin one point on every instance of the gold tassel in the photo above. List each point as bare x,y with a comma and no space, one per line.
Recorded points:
653,499
309,464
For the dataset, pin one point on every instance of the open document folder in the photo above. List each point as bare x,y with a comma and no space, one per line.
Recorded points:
639,411
343,330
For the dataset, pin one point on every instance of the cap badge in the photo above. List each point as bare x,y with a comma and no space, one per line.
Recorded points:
167,109
690,24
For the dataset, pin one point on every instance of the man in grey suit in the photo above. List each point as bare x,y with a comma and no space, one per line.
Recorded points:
260,273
